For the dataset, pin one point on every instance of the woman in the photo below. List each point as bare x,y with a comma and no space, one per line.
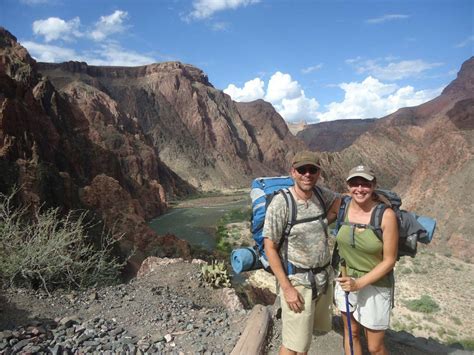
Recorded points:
368,264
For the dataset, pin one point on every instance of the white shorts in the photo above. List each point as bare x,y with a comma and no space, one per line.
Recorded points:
370,306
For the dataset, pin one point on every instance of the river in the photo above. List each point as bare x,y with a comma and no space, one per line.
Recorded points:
197,225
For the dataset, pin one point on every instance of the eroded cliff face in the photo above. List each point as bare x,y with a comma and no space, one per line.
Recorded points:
425,153
76,150
334,136
198,131
121,141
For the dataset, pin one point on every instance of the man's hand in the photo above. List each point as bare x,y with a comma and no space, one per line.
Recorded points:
294,299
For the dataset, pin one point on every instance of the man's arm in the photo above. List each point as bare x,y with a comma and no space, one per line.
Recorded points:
292,297
333,210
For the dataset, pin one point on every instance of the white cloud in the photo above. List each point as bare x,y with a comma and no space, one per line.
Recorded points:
387,18
311,69
35,2
220,26
49,53
298,109
284,93
372,98
392,70
112,54
252,90
203,9
282,86
108,55
465,43
55,28
108,25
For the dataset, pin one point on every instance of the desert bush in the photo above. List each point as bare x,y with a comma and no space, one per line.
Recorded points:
424,304
50,250
215,274
456,320
223,234
467,344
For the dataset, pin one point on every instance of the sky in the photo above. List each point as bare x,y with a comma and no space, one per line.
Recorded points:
313,60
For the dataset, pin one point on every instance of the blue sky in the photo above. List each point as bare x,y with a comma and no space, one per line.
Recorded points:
313,60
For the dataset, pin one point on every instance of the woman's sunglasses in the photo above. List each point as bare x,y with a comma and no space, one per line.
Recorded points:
307,169
363,183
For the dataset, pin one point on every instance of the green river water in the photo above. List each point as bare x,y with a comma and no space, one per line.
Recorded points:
197,225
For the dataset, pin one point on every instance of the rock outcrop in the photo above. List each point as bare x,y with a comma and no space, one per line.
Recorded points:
334,136
61,154
199,132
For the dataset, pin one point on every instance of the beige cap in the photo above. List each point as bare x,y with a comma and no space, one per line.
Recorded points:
361,171
305,157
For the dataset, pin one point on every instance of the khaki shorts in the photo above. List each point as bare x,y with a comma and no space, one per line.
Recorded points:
298,328
370,306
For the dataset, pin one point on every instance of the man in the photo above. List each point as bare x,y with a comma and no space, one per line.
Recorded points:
302,264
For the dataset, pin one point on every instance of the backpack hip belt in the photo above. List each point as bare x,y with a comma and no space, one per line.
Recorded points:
318,277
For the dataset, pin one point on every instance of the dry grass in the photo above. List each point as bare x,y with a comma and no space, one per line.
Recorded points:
448,281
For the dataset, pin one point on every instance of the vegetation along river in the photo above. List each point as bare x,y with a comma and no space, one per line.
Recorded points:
198,223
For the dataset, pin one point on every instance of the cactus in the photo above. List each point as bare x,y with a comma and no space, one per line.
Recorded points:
215,274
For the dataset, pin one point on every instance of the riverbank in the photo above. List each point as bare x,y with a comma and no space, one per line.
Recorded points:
213,199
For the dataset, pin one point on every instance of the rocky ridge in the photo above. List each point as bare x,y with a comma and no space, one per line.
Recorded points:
334,136
198,131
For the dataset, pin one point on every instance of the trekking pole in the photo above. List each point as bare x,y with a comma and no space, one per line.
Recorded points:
348,314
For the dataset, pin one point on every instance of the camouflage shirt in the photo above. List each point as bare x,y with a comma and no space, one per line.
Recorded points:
307,243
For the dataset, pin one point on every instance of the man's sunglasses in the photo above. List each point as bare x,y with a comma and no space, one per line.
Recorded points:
307,169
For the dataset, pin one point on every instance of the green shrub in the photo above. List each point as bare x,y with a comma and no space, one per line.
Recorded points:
223,234
50,251
425,304
456,320
215,274
467,344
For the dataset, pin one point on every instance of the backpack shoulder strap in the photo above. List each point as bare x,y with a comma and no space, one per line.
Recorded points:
319,195
341,213
376,219
291,205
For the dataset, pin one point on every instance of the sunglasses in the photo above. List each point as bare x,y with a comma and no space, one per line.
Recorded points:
307,169
357,183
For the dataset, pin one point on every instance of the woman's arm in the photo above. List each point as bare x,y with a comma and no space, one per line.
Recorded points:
390,248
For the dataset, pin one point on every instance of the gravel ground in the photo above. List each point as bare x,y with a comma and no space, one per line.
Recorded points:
169,310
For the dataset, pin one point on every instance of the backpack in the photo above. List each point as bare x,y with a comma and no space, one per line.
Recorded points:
263,190
411,228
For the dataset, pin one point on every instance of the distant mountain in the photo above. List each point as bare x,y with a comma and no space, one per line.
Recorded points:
196,130
334,136
426,154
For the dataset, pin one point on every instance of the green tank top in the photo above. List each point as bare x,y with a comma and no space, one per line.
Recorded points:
366,254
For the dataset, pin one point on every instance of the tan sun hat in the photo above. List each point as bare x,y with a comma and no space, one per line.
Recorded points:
305,157
362,171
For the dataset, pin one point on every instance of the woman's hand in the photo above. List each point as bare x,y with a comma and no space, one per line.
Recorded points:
348,284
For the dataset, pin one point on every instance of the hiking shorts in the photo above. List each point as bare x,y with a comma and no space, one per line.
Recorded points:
370,306
298,328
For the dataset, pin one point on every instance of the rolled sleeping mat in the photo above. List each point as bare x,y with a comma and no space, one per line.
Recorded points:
244,259
429,224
